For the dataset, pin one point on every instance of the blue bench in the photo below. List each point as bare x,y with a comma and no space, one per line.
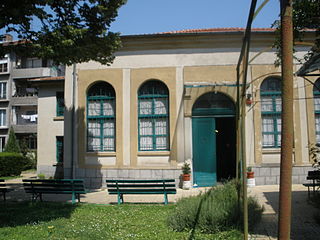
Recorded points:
122,187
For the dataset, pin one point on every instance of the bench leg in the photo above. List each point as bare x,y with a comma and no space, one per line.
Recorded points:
73,198
119,198
165,199
4,196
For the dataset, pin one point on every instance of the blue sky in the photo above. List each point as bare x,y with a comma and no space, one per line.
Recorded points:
152,16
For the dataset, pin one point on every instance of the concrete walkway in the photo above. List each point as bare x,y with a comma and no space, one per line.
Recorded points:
303,225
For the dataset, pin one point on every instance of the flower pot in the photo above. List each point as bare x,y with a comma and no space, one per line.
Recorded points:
185,177
251,182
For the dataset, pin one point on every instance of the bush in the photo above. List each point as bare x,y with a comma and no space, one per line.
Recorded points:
214,211
11,164
30,160
12,143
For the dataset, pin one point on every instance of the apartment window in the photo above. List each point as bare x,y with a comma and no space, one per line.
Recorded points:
3,90
59,149
33,63
316,97
3,117
2,143
101,118
153,116
3,65
59,104
270,95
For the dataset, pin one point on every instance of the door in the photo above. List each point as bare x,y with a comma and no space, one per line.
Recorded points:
204,151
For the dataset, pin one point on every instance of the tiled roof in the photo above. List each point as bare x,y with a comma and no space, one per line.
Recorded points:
47,79
216,30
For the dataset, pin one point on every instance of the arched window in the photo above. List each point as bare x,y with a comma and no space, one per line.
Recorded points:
316,97
101,118
153,116
270,95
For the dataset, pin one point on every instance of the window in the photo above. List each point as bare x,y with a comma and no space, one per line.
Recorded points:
60,104
59,149
3,90
4,65
270,94
101,118
153,116
2,143
3,117
316,97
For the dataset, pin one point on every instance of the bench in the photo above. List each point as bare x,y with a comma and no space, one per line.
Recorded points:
313,176
4,189
121,187
37,187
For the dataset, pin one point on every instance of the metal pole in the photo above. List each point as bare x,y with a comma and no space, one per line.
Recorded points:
287,120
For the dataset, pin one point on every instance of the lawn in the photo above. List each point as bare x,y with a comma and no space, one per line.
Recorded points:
25,220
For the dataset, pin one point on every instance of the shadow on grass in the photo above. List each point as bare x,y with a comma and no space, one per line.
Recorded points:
24,213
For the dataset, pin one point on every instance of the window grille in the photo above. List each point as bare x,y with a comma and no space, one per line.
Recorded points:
270,94
316,99
153,116
60,104
101,118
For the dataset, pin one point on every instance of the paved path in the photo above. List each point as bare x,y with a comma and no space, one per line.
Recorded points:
303,225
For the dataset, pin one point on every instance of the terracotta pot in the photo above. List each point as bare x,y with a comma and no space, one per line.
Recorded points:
250,174
186,177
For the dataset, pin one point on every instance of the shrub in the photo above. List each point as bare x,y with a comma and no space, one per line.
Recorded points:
11,164
12,144
214,211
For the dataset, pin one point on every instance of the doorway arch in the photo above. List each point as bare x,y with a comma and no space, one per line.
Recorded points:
213,139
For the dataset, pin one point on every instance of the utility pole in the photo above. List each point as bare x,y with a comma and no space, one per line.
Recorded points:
286,120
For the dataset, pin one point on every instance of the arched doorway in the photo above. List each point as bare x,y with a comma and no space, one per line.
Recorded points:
213,139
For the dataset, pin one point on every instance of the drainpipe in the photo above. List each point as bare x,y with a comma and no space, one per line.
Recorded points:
74,79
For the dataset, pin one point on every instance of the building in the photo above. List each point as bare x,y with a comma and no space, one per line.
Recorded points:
18,96
170,98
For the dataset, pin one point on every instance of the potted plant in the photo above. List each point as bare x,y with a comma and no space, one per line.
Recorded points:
250,177
186,170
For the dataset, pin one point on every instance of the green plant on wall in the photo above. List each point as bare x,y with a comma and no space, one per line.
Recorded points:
12,144
314,152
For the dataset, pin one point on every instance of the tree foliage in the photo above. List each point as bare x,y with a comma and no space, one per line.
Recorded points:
12,143
305,16
66,31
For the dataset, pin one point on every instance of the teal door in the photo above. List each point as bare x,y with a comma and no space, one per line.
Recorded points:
204,151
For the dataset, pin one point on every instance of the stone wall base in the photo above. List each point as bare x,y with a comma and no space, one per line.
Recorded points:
96,178
270,175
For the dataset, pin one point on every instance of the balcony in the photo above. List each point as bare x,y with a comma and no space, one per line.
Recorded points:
34,72
25,96
25,119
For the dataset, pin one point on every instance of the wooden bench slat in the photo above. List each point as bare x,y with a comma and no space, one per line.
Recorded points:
139,185
140,181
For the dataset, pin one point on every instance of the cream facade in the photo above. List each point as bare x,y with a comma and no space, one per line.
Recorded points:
132,138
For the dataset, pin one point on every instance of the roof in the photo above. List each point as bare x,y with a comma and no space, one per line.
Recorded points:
47,79
216,30
312,65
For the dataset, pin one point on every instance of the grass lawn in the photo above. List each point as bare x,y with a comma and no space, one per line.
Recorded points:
87,221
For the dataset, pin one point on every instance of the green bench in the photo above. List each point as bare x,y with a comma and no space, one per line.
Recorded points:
4,189
37,187
121,187
313,176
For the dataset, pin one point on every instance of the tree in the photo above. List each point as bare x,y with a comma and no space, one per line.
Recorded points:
306,16
12,144
66,31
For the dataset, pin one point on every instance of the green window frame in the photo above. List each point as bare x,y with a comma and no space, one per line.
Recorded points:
101,118
153,117
270,96
316,100
59,149
59,104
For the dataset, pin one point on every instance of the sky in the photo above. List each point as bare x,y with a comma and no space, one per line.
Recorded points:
153,16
